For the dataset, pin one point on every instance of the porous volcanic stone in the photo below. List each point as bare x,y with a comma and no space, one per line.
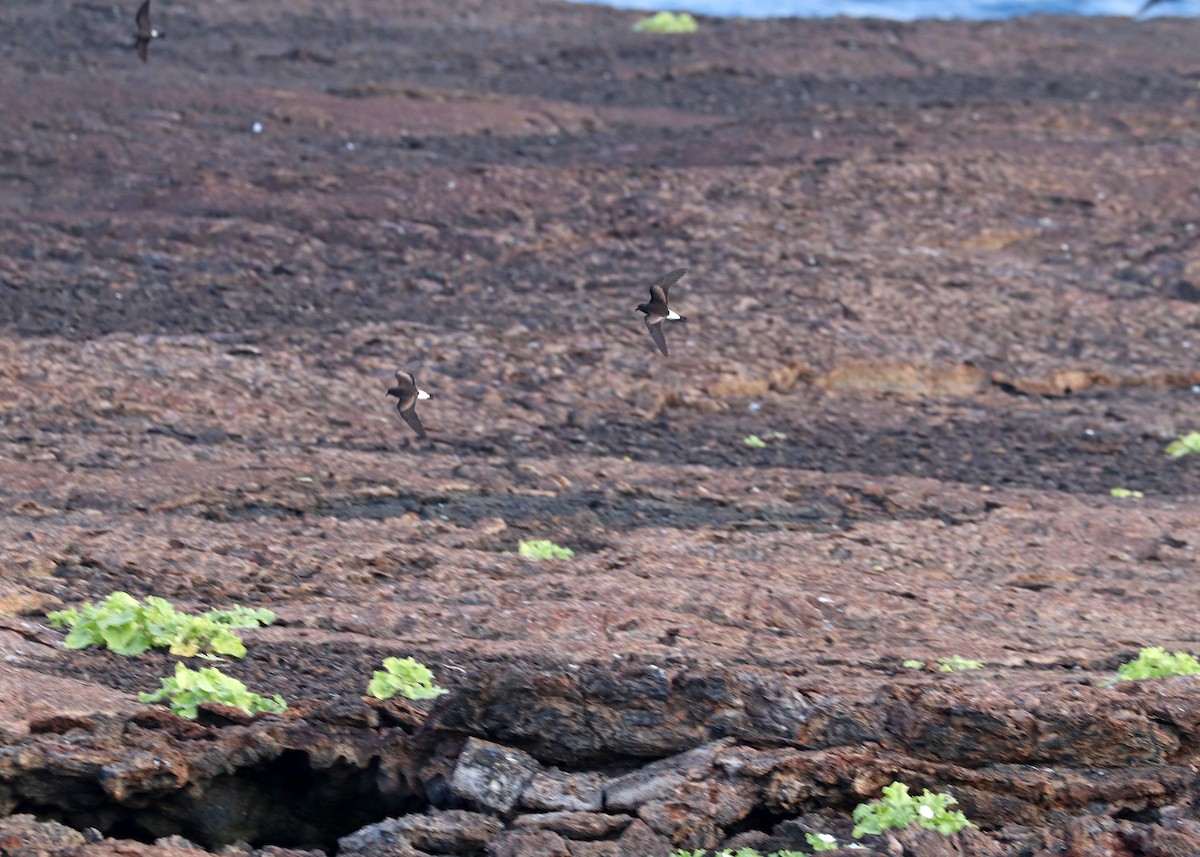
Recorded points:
555,790
24,836
530,843
451,831
575,825
491,775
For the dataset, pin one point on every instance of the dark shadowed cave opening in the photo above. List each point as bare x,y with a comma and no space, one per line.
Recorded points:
285,801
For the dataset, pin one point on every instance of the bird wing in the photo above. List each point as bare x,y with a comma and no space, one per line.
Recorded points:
414,422
142,46
656,333
407,383
660,287
143,19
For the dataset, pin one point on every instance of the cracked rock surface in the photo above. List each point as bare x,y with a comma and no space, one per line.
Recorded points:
947,273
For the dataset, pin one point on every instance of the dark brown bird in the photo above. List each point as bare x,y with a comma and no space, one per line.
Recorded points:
407,395
145,33
656,308
1148,4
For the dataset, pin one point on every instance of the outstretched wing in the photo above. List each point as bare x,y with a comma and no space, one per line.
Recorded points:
143,21
660,287
142,46
414,422
656,333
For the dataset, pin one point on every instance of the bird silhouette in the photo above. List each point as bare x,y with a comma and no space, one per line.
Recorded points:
407,395
656,308
145,32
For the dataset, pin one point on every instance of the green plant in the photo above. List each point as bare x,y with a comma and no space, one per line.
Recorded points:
897,809
129,627
405,676
1122,493
1155,662
821,842
188,689
1188,444
912,664
543,549
667,22
954,663
754,441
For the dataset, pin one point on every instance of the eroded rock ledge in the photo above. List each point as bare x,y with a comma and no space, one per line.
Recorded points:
620,759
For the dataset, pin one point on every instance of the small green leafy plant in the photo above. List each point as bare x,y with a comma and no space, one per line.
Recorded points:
1188,444
821,842
754,441
1123,493
543,549
405,676
188,689
1156,662
129,627
954,663
913,664
667,22
897,809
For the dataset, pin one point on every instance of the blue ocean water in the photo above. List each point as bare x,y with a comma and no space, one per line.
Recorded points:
909,10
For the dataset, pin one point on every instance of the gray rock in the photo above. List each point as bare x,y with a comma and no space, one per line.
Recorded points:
553,790
658,780
530,843
639,840
575,825
594,849
25,836
377,840
452,831
492,776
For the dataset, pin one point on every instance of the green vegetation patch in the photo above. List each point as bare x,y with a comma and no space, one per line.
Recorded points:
405,676
188,689
1156,662
1188,444
543,549
897,809
954,663
667,22
128,627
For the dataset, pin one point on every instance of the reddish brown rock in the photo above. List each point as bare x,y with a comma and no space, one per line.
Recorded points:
945,270
530,843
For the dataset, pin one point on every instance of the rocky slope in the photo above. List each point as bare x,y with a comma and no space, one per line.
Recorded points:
947,273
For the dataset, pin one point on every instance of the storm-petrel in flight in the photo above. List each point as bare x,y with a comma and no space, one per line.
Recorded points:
407,393
656,308
145,33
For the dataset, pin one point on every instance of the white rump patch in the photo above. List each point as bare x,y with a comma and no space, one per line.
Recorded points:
421,394
673,316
